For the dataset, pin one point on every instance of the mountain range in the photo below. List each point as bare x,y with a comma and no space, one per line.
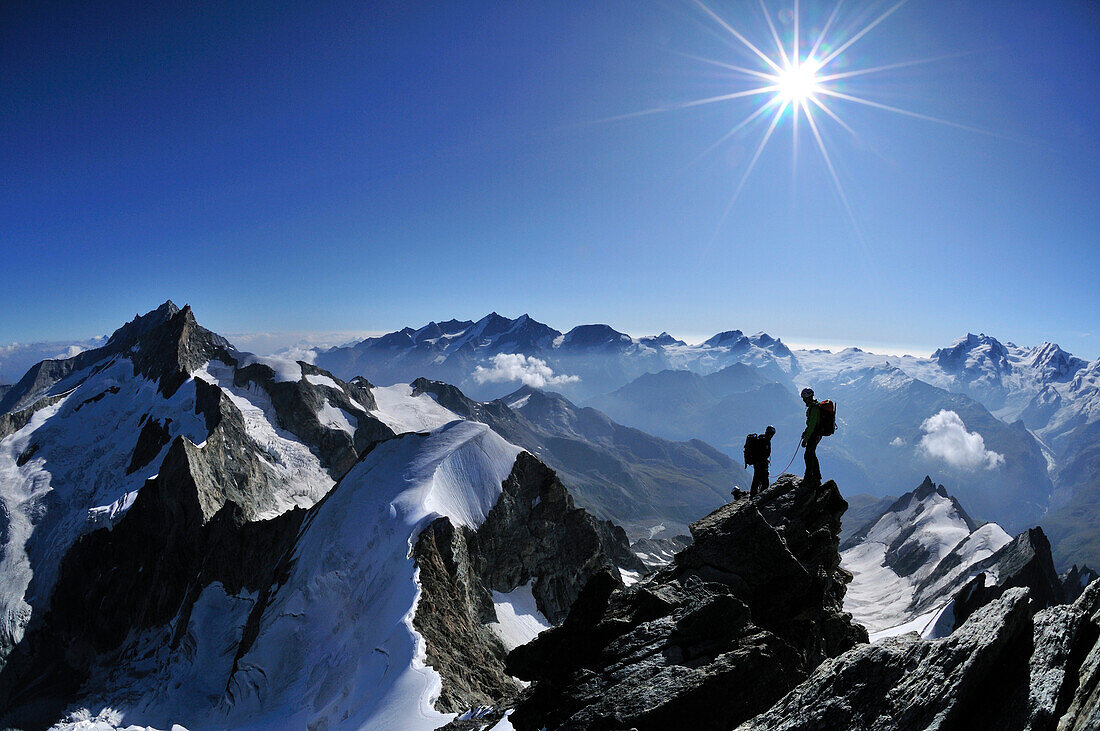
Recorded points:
1015,429
196,535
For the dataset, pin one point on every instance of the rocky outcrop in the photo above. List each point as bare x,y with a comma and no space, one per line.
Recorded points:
1076,580
754,603
165,345
298,405
1004,668
534,533
1025,562
452,615
170,352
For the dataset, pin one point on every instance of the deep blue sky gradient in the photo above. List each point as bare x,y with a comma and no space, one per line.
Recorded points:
363,166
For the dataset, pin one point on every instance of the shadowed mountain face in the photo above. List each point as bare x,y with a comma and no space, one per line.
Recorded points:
640,480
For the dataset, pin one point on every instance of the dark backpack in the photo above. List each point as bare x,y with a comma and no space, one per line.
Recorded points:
826,425
754,448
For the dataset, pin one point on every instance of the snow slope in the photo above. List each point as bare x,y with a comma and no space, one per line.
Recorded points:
336,645
518,617
401,411
896,571
73,477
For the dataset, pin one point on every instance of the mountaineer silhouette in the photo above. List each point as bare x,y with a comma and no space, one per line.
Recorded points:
820,422
758,451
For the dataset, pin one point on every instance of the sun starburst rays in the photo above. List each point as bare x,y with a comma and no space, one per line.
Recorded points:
800,81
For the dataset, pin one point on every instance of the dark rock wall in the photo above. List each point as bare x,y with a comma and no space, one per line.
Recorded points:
534,532
451,616
1025,562
1005,668
740,617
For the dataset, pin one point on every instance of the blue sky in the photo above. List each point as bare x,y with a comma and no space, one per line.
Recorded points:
361,166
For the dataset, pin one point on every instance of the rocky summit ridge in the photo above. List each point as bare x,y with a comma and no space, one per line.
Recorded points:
1005,668
739,618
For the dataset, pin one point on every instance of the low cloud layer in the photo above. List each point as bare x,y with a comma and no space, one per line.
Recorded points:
17,358
945,437
532,372
296,343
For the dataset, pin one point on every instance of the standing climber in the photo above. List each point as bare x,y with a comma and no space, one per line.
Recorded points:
811,436
758,452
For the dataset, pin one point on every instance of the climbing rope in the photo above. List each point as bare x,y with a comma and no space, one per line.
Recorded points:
796,448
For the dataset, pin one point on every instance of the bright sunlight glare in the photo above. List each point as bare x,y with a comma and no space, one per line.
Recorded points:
804,84
798,82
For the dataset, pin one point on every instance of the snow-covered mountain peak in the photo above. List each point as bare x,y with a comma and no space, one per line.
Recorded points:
920,528
763,340
724,338
1051,363
909,559
759,349
973,352
662,341
165,345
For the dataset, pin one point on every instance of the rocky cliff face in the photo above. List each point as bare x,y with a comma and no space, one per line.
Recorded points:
1076,580
219,513
534,533
1005,668
755,603
1025,562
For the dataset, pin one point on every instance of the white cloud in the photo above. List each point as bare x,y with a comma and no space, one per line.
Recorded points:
897,442
17,358
945,437
518,367
297,342
70,352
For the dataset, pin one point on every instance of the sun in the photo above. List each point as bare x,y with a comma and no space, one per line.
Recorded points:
798,82
793,85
